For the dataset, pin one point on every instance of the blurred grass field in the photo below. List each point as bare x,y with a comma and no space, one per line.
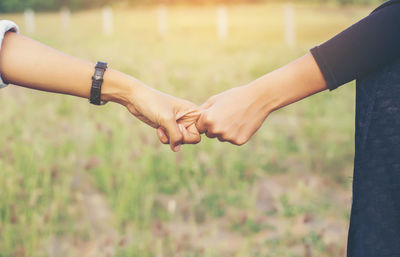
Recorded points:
77,180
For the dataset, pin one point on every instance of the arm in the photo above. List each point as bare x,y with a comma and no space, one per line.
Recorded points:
237,114
28,63
366,46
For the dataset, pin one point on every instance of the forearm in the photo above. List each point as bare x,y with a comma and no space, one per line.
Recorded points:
289,84
28,63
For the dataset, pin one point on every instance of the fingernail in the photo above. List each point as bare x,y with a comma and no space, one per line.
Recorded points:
159,133
181,127
177,148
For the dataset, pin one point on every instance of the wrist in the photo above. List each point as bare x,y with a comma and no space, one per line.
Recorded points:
265,96
118,87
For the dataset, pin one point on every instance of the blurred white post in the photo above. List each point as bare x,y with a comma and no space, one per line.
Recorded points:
171,206
65,14
222,22
162,20
29,17
108,21
290,25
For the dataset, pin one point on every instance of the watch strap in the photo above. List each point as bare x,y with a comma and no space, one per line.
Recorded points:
97,82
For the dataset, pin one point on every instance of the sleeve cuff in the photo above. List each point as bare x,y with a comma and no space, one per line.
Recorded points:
6,26
329,76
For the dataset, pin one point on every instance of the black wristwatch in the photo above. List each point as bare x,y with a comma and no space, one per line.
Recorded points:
97,82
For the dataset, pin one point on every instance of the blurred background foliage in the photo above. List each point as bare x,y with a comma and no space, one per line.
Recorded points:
48,5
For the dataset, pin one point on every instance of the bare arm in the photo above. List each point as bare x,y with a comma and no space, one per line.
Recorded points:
291,83
28,63
235,115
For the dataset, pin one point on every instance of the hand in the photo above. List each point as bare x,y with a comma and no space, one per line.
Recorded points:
173,118
234,115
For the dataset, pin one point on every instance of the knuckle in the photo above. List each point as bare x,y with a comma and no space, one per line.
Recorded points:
210,130
179,138
237,140
222,139
219,131
165,118
164,140
195,140
228,137
208,120
198,138
241,141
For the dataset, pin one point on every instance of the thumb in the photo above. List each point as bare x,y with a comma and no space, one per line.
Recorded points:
204,109
162,135
201,124
190,134
174,134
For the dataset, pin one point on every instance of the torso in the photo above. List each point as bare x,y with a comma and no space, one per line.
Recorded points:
375,216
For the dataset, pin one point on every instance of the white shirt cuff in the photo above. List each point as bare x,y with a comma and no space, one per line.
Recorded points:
6,26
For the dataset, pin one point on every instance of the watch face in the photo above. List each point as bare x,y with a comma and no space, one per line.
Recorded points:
97,77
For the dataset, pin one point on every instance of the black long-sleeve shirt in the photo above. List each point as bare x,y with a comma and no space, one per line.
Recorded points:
363,48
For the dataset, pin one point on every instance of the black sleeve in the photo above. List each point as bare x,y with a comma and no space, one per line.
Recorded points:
361,49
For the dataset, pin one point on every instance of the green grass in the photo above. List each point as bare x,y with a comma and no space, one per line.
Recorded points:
77,180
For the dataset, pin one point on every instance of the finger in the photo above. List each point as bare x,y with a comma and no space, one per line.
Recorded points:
191,135
222,139
162,135
201,123
210,134
174,134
